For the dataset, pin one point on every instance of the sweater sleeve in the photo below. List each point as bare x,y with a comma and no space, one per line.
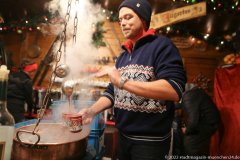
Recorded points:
169,65
109,93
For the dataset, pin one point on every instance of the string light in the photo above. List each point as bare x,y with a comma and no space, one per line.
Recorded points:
206,36
215,6
193,39
25,24
168,29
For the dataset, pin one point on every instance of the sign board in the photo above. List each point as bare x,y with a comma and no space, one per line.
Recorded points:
178,15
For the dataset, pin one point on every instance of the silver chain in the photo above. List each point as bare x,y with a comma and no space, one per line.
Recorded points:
57,57
75,23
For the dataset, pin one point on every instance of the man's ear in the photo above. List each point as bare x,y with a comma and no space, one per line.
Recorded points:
144,25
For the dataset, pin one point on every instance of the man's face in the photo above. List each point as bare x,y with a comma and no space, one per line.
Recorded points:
131,24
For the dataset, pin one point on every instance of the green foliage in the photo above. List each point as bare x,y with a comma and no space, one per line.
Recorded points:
97,36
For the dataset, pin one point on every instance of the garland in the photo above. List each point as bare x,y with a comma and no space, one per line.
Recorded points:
97,36
213,6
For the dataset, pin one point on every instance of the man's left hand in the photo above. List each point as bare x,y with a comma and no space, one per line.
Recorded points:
112,73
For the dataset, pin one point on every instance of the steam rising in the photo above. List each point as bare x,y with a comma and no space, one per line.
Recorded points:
82,52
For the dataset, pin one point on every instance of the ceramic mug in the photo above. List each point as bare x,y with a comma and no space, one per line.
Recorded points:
73,121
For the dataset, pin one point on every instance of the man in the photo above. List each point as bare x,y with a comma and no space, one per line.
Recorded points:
20,90
202,120
147,78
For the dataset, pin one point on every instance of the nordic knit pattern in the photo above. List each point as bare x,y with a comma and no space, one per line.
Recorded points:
131,102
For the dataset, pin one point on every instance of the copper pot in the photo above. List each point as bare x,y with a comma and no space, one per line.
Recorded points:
52,141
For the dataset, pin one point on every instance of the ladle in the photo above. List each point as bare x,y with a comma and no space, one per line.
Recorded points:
63,70
67,88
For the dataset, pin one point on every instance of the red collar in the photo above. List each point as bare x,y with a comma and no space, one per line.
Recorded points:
129,43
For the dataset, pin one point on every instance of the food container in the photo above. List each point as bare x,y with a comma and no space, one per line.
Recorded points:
52,141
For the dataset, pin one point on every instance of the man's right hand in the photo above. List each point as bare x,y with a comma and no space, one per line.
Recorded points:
87,115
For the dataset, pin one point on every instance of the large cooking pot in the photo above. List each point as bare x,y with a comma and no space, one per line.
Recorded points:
52,141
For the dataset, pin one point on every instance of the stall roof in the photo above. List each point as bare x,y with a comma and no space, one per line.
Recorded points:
225,23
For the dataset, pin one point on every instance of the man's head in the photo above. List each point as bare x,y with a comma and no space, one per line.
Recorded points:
141,7
134,18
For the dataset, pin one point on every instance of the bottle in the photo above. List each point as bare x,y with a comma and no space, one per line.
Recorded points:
6,119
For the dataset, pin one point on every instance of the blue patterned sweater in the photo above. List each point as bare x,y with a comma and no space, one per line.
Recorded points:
153,57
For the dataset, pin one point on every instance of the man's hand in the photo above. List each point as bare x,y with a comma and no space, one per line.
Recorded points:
112,73
87,115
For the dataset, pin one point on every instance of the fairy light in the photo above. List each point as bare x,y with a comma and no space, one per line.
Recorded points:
206,36
168,29
219,5
234,34
193,39
19,31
